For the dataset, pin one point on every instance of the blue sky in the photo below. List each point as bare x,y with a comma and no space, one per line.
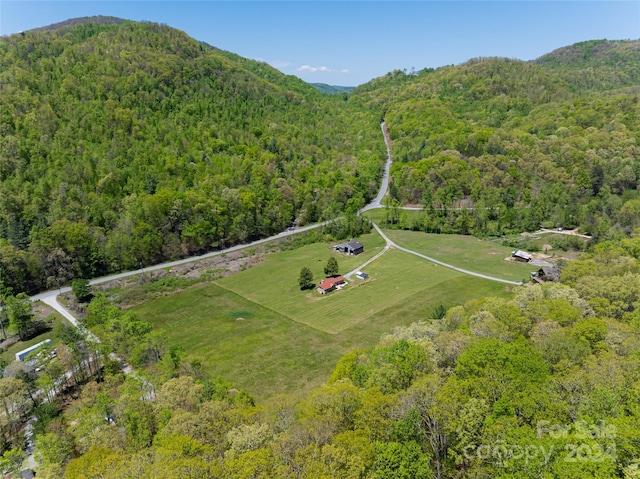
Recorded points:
350,43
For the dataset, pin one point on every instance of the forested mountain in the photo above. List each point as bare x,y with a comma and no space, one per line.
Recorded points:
596,65
332,89
554,141
124,144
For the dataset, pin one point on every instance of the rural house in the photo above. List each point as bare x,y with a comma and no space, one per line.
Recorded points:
352,247
521,256
329,284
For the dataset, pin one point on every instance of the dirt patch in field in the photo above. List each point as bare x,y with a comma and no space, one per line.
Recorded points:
133,290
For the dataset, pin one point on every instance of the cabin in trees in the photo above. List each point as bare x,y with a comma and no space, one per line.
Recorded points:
329,284
352,247
546,273
522,256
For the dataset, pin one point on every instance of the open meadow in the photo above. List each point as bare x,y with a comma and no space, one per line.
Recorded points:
257,329
468,252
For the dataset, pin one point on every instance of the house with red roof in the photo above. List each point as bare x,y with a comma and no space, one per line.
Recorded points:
329,284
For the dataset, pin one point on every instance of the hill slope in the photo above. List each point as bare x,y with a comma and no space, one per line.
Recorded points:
555,138
597,64
129,143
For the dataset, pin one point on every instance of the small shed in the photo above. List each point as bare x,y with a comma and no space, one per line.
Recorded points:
329,284
522,256
361,275
20,355
546,273
351,247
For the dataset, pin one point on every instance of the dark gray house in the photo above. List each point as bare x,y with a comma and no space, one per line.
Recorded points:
352,247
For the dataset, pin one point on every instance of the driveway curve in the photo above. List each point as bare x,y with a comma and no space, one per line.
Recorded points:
446,265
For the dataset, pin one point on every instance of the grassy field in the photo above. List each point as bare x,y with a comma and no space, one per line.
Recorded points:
393,277
468,252
10,352
258,330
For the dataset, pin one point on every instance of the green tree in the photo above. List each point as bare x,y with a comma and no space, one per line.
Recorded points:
12,460
306,279
394,460
331,268
19,313
81,290
5,291
51,449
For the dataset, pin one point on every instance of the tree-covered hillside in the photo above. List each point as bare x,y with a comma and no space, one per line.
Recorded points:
543,385
596,64
554,141
124,144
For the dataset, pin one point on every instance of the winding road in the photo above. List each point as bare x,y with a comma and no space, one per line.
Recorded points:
51,297
384,185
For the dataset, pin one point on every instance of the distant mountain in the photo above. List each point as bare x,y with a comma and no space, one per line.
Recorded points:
596,64
72,22
126,143
332,89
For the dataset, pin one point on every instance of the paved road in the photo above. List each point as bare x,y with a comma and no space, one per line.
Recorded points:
49,297
377,201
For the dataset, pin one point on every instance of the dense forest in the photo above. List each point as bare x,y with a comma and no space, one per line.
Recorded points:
545,384
519,144
125,144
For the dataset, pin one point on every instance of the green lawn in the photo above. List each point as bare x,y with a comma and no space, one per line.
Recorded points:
468,252
289,340
10,352
393,277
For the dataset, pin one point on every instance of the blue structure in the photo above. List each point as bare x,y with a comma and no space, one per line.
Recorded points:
25,352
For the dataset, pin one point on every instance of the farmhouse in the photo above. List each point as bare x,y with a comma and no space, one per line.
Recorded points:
521,256
329,284
352,247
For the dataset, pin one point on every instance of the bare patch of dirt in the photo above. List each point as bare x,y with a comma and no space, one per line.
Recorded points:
133,290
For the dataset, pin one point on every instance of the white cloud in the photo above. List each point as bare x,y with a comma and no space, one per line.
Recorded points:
309,68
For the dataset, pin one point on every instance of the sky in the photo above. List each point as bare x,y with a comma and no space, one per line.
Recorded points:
351,42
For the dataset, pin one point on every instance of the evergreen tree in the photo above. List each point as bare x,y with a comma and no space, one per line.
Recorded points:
306,279
20,315
331,269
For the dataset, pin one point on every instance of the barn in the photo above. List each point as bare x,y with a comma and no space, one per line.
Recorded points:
351,247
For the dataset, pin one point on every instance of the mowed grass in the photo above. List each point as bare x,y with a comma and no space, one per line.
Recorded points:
393,277
255,348
268,341
266,352
468,252
274,284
